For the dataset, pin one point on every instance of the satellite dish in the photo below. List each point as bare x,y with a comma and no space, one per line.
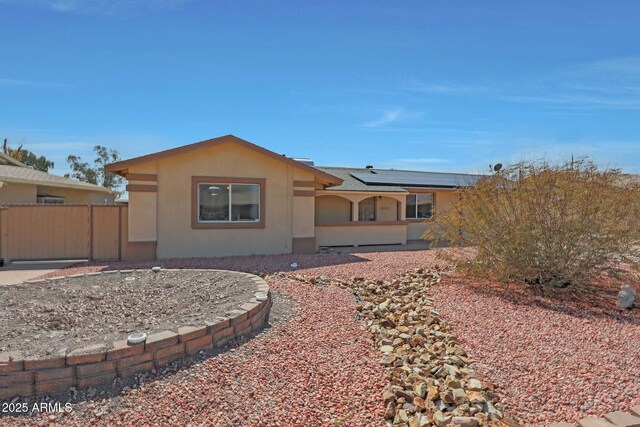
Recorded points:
497,167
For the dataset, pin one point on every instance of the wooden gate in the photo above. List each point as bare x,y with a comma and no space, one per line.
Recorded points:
48,232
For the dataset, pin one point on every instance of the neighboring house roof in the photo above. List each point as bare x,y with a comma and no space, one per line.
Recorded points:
27,175
6,159
122,166
393,180
631,179
349,183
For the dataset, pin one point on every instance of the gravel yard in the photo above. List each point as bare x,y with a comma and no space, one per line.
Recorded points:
374,265
304,371
549,359
44,319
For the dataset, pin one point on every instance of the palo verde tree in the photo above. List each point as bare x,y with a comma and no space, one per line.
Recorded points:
552,225
96,173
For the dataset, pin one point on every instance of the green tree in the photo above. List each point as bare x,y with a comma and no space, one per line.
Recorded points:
27,157
96,173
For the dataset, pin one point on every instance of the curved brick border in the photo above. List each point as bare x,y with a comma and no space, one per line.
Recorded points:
93,365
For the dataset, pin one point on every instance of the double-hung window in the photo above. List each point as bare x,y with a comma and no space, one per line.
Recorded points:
419,206
228,203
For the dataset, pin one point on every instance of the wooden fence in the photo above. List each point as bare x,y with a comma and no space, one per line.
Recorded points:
48,232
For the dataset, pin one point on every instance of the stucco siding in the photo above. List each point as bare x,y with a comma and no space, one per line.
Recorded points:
332,209
142,217
415,230
13,192
303,212
361,235
443,200
76,196
301,175
176,237
149,167
303,207
386,209
143,206
18,193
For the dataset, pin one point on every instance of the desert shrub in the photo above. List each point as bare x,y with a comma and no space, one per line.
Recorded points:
552,225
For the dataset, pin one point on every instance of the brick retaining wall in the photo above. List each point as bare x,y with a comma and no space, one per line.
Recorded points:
93,365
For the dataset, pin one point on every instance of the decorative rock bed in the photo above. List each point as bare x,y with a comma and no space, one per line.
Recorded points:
432,380
97,364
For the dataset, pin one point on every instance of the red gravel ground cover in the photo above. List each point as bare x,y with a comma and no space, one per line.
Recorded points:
373,265
316,369
550,359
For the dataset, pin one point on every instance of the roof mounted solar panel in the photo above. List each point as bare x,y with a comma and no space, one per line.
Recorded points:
416,179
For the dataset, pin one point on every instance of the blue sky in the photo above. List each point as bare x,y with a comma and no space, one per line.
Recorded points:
448,85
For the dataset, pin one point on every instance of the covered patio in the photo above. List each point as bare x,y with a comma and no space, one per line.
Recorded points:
360,218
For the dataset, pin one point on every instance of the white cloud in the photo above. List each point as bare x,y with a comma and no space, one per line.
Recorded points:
583,100
629,66
100,7
387,117
31,83
612,84
60,146
414,85
392,116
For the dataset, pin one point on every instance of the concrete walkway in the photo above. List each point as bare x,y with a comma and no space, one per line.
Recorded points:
19,271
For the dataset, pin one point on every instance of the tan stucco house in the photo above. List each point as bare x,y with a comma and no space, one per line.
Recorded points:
20,184
227,196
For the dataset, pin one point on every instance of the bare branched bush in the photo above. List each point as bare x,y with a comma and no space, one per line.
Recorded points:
552,225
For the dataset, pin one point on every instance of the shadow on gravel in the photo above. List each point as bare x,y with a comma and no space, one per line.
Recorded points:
251,264
594,301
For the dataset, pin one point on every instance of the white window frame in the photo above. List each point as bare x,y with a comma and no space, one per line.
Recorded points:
230,220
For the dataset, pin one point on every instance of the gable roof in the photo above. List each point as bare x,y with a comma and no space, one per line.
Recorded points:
27,175
121,167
